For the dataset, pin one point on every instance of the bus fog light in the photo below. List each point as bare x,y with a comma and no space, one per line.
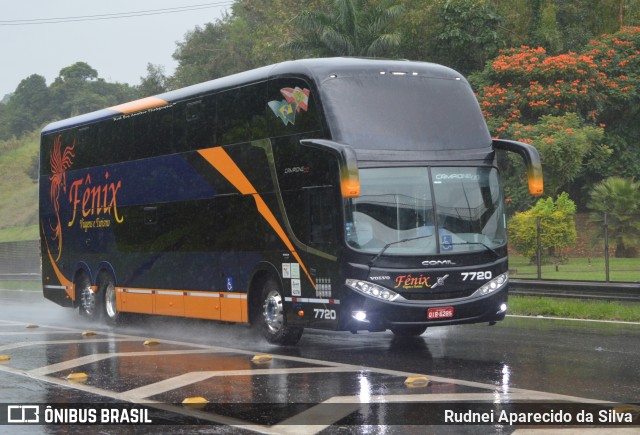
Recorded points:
360,316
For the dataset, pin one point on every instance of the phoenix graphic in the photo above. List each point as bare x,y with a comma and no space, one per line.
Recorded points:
60,162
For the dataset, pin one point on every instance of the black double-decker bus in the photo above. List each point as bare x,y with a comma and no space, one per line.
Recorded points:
340,194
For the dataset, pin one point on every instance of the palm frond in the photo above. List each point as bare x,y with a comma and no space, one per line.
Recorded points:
338,43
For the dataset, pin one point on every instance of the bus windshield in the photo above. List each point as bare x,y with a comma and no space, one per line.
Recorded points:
422,211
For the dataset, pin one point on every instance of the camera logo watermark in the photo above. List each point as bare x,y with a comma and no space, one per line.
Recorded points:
23,414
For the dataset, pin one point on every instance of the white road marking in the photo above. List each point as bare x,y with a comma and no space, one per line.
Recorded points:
296,424
618,322
193,377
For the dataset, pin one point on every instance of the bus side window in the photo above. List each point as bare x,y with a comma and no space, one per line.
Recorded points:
292,107
194,111
200,125
152,134
116,136
320,206
87,150
242,114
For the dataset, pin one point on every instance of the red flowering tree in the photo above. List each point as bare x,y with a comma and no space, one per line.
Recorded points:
580,110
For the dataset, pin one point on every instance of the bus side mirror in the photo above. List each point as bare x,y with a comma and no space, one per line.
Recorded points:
531,159
349,176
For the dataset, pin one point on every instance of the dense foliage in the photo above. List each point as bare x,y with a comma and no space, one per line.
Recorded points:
579,109
561,75
619,199
557,228
76,90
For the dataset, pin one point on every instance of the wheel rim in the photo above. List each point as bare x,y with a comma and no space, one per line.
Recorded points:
110,301
88,299
273,312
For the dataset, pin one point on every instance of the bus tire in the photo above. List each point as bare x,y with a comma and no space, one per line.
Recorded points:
273,319
88,300
107,288
408,330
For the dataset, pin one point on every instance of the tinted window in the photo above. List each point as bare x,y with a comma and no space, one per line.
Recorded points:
309,183
292,107
383,112
242,114
152,135
199,120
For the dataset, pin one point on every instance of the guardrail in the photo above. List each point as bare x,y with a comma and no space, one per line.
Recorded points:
529,287
576,289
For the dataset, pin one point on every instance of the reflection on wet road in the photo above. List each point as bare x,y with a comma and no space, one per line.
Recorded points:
320,385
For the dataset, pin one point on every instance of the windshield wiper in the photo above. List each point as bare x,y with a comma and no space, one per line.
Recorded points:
374,259
488,248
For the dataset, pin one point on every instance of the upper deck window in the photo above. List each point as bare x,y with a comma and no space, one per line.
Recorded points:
403,112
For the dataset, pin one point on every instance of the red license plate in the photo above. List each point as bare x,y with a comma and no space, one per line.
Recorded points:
439,313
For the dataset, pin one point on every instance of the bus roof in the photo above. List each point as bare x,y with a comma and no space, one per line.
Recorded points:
318,70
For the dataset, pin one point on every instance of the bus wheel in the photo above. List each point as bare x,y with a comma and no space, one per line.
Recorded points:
408,330
274,322
88,300
110,309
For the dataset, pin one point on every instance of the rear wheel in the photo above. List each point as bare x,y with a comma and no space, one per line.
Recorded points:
88,300
408,330
273,319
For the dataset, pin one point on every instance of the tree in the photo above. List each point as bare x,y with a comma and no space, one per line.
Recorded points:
28,107
155,82
467,34
558,228
78,89
619,198
618,59
78,72
250,37
568,148
351,28
521,87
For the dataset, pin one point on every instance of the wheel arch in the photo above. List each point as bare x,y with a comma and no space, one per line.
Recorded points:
82,268
262,272
105,268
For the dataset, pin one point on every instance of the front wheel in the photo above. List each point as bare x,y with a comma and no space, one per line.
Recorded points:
273,320
408,330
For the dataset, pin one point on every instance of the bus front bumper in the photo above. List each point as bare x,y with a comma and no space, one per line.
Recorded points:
367,313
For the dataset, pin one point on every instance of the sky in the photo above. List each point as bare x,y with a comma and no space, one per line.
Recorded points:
118,48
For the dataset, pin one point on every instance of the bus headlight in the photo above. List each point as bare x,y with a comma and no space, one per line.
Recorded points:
374,290
495,284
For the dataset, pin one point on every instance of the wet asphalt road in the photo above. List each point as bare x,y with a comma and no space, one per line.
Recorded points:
566,360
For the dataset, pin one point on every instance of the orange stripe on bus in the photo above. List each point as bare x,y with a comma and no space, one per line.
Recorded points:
138,105
219,159
230,307
61,278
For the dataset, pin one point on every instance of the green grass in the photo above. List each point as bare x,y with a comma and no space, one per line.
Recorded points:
18,191
24,284
574,308
19,234
578,269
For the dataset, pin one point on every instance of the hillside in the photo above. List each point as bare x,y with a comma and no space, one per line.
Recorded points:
18,190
